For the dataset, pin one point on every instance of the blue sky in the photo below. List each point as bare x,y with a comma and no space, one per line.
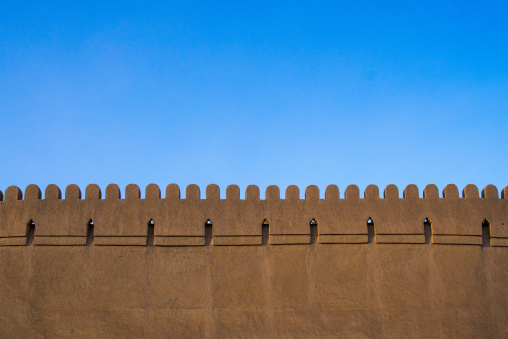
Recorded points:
359,92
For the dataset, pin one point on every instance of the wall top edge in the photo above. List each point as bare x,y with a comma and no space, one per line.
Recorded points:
252,192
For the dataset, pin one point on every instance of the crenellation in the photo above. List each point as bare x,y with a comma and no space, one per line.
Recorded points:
192,192
172,192
345,220
451,192
252,193
237,221
13,193
52,192
289,218
391,192
470,192
33,192
212,192
181,222
490,192
371,192
456,220
332,193
132,191
292,192
153,192
113,192
93,192
272,192
431,192
15,213
352,192
312,193
233,192
72,192
411,192
121,221
274,261
504,193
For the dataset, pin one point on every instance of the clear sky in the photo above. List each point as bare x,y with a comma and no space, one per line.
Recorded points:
270,92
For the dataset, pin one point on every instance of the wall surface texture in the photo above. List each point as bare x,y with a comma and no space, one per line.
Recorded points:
426,267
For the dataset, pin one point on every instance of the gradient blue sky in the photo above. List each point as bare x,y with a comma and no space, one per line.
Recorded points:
358,92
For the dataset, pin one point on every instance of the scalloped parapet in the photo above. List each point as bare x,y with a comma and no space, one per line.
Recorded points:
460,219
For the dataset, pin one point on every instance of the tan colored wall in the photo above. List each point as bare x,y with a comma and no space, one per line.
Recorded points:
450,282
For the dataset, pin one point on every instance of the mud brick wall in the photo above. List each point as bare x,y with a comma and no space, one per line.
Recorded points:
425,265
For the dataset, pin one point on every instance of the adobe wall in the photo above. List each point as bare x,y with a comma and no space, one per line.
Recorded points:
259,268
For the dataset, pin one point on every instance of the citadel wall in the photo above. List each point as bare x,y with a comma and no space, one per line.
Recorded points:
426,266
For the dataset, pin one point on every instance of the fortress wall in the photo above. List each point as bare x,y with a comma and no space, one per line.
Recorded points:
259,268
236,221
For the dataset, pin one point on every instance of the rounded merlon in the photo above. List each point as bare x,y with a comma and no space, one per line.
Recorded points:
233,192
292,192
451,191
431,192
13,193
192,192
213,192
132,191
312,192
332,192
391,192
173,191
490,192
72,191
52,192
470,191
113,192
272,192
371,192
252,192
93,192
352,192
411,192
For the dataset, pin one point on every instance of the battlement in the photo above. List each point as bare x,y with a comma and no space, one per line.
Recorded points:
424,265
172,221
